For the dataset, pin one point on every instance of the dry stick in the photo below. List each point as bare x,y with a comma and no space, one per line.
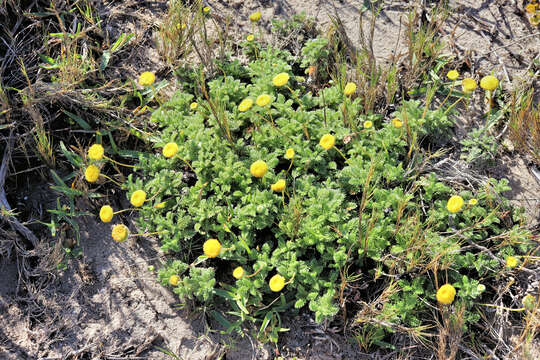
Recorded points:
12,220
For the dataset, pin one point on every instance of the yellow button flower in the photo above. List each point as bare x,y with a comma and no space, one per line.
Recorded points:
289,154
455,203
327,141
91,174
106,213
258,169
452,75
238,273
473,202
280,79
120,232
245,105
193,106
263,100
531,8
138,198
469,85
250,37
397,123
446,294
350,89
146,78
489,82
277,282
511,261
174,279
206,9
170,150
96,152
211,248
256,16
278,186
368,124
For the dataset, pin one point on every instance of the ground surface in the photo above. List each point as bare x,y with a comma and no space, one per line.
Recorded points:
107,305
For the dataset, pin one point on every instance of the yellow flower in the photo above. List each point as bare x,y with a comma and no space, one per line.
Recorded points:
263,100
256,16
446,294
91,173
280,79
350,89
147,78
277,282
289,154
170,150
211,248
174,279
238,273
455,203
473,202
469,85
327,141
452,75
245,105
160,205
531,8
95,152
368,124
206,9
250,37
120,232
278,186
397,123
535,19
193,106
489,82
258,169
511,261
138,198
181,26
106,213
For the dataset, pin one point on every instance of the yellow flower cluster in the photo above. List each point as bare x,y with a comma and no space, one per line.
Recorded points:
533,12
258,169
211,248
96,152
138,198
146,78
170,150
446,294
106,213
256,16
91,173
455,203
245,105
327,141
350,89
278,186
280,79
120,232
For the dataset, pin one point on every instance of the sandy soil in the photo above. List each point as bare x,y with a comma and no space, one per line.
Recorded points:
107,305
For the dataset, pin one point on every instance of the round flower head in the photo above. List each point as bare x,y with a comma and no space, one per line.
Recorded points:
489,82
170,150
211,248
473,202
238,273
250,37
531,8
256,16
263,100
368,124
452,75
327,141
174,279
245,105
193,106
278,186
280,79
146,78
91,174
350,89
138,198
96,152
511,261
397,123
206,9
455,203
120,232
276,283
258,169
469,85
106,213
289,154
446,294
